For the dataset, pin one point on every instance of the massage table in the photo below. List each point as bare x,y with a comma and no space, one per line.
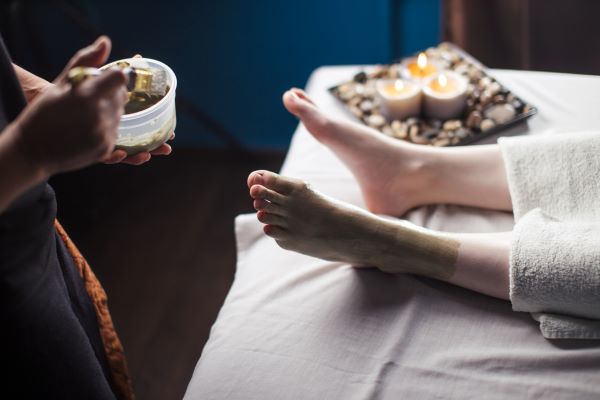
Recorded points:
297,327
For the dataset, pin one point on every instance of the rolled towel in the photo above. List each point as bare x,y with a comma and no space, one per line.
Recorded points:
555,254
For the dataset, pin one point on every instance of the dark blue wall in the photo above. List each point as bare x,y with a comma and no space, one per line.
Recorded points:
235,58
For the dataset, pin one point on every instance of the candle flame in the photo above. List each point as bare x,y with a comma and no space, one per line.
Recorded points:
399,85
442,80
422,61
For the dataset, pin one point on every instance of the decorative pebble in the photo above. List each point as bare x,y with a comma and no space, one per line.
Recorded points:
412,121
366,106
361,77
356,111
440,142
461,133
413,133
499,99
487,124
376,120
452,125
485,98
359,89
494,88
474,119
399,129
501,113
517,104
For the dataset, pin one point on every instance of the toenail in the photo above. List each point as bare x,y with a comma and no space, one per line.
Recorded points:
258,179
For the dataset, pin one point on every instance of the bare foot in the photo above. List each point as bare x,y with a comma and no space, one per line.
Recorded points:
304,220
392,174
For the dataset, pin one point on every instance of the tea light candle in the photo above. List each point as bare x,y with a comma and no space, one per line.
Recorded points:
445,96
399,98
419,67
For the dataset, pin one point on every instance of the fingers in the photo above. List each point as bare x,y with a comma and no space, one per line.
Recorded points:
116,157
93,55
137,159
107,83
162,150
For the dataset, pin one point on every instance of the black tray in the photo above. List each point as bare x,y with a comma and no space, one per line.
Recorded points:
361,91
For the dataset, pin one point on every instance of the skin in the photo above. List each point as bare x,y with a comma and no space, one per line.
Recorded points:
394,177
40,143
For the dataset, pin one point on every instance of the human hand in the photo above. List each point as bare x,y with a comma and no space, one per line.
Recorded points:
120,156
69,127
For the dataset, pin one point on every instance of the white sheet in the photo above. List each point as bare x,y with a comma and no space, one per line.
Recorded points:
296,327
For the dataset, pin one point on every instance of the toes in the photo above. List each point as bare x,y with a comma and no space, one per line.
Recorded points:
255,178
271,219
303,95
297,105
260,204
261,192
275,232
281,184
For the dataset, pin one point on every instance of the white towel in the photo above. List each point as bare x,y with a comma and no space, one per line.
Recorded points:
555,254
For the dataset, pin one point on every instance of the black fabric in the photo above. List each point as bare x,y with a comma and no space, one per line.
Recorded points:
50,345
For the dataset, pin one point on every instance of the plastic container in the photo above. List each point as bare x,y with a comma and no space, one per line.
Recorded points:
147,129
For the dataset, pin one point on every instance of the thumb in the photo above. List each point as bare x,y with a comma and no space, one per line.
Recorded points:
94,55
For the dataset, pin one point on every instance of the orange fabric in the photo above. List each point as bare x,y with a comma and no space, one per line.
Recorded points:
112,344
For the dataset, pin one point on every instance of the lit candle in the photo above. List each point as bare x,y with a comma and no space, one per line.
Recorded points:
445,96
399,98
418,68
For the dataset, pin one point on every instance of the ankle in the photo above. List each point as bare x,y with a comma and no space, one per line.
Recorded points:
423,167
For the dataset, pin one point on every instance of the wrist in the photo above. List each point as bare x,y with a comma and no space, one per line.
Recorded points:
29,168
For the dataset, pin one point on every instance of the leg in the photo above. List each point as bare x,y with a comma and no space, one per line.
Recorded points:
395,176
303,220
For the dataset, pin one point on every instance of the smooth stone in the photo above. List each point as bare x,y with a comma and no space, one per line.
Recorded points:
500,113
487,124
461,133
361,77
366,105
452,125
399,129
412,121
441,142
376,120
474,119
356,111
413,133
494,88
387,130
499,99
